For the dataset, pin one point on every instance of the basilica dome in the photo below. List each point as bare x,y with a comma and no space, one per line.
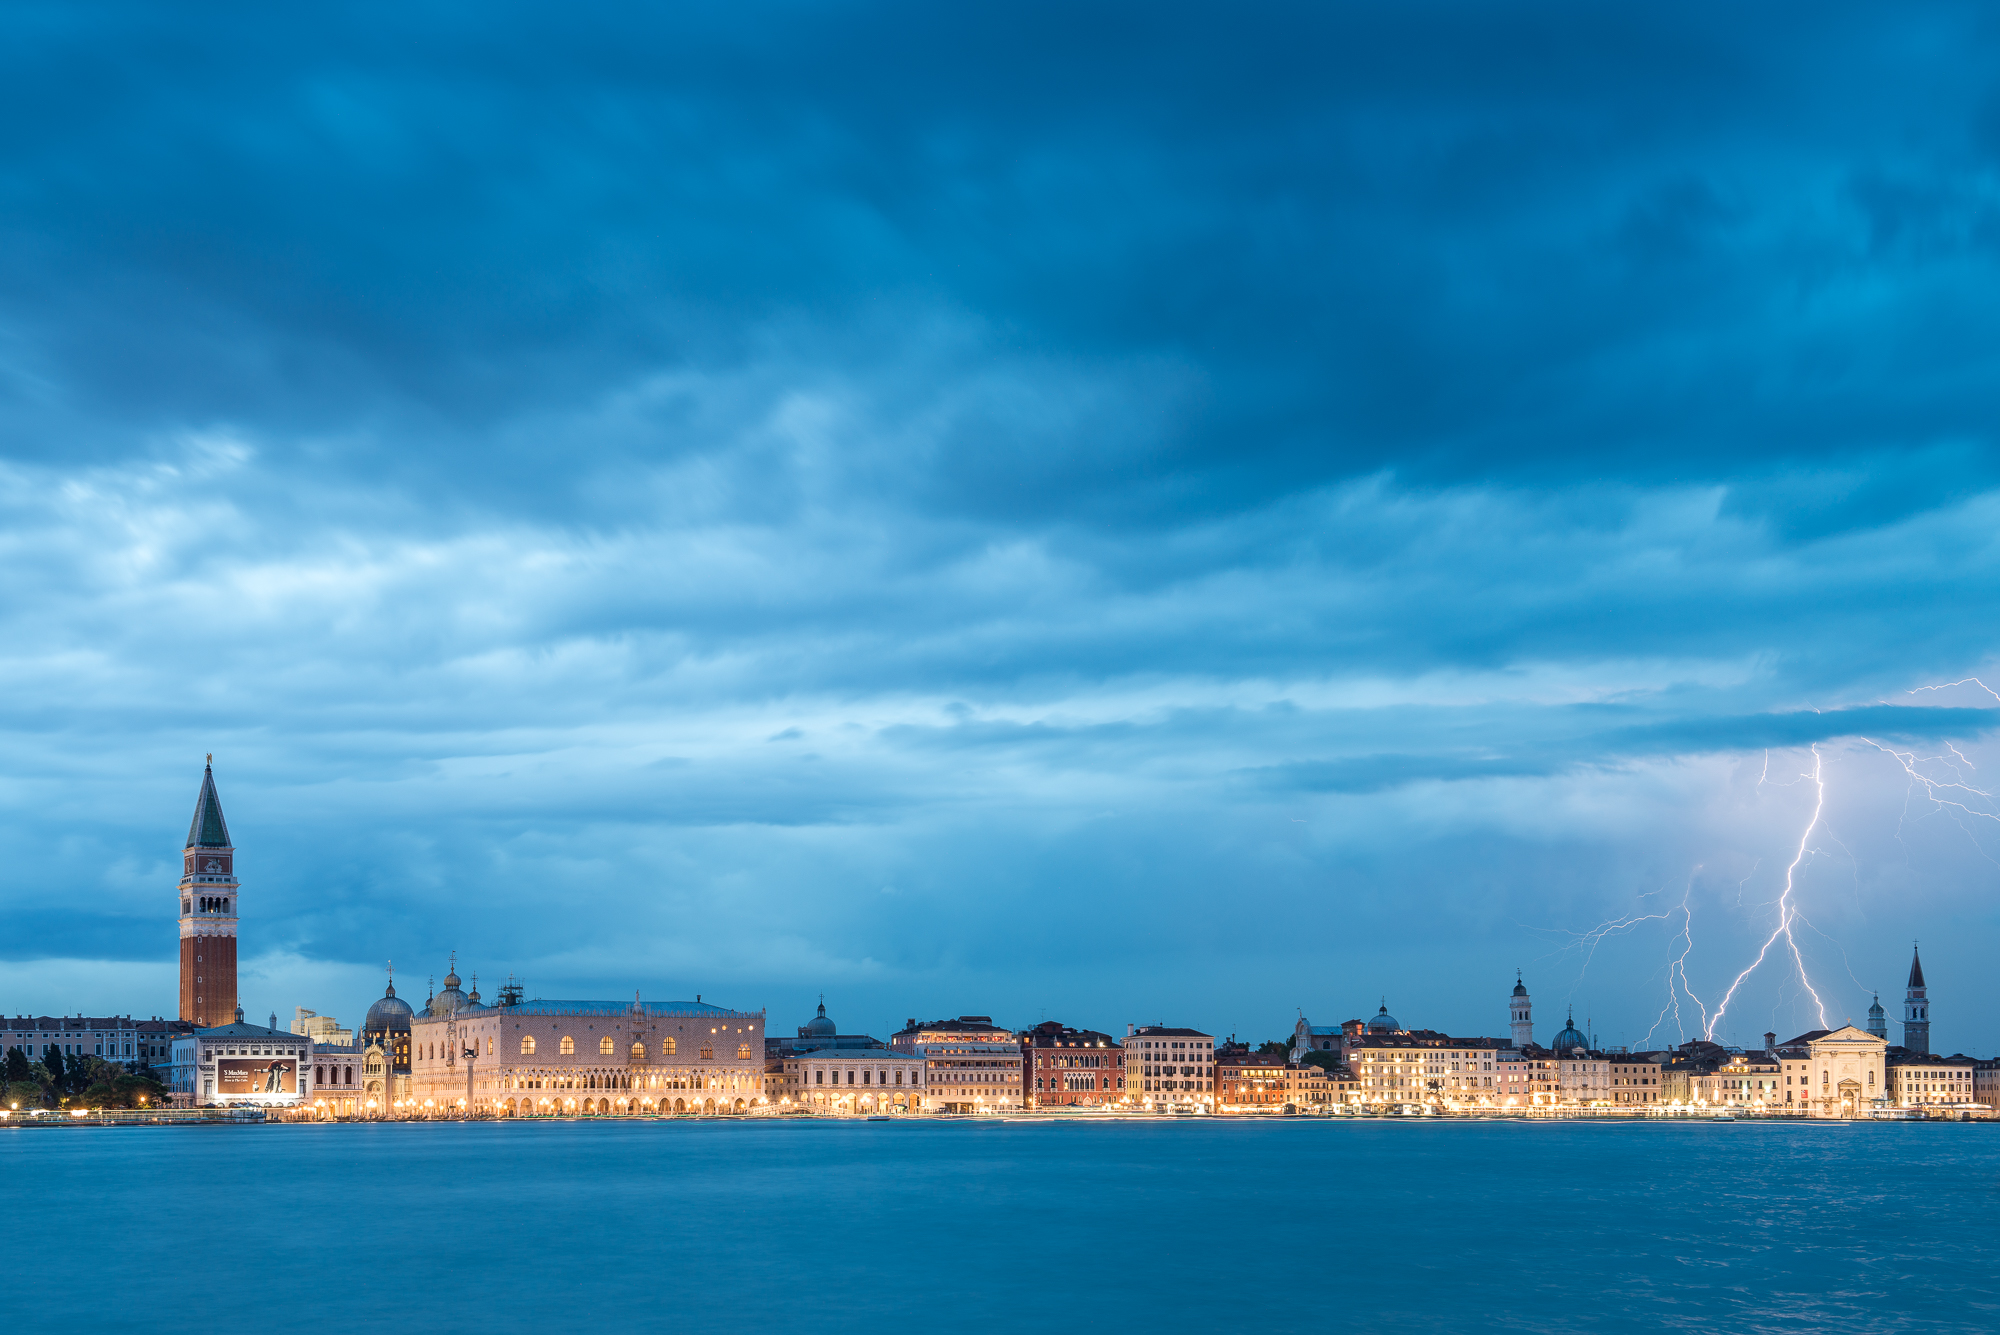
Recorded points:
391,1013
819,1026
1571,1039
451,1000
1384,1023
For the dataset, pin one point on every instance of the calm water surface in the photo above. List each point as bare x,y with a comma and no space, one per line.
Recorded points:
1277,1226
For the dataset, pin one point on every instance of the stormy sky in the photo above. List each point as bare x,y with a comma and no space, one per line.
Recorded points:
1113,513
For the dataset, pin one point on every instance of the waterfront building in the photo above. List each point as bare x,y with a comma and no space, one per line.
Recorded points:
1920,1080
856,1081
1986,1084
1521,1015
1071,1068
1424,1066
237,1063
814,1035
339,1086
970,1064
119,1039
1917,1009
1583,1077
1635,1077
1834,1072
208,895
1267,1082
1524,1078
1168,1069
546,1057
1742,1081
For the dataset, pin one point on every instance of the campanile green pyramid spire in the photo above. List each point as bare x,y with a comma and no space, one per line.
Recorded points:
207,829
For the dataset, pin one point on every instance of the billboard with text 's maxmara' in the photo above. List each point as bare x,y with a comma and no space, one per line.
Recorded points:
265,1075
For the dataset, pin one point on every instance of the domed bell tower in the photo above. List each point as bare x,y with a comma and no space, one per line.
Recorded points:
1520,1014
208,912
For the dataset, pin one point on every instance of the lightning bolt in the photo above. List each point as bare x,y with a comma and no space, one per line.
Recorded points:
1939,791
1677,982
1786,911
1962,681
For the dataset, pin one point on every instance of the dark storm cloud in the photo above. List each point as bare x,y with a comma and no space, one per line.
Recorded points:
794,487
1545,242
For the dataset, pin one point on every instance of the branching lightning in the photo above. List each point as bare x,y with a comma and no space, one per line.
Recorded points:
1786,911
1677,979
1947,780
1951,795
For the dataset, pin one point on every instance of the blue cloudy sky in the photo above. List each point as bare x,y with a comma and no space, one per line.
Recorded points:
1113,513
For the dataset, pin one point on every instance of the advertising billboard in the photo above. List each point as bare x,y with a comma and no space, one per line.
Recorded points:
236,1078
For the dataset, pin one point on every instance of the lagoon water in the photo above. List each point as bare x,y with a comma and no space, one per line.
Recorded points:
1271,1225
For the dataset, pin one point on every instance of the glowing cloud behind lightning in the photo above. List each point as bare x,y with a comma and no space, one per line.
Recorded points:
1786,912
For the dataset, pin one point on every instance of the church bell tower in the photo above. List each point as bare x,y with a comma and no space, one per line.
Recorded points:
1917,1009
1521,1015
208,912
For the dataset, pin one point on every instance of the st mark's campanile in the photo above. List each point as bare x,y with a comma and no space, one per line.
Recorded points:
208,913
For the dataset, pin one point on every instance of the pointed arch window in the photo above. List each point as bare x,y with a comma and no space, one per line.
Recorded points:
743,1052
605,1047
638,1051
527,1045
668,1046
567,1047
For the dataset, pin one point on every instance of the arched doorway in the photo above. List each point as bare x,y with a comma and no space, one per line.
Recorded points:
604,1107
741,1105
1850,1099
708,1106
510,1107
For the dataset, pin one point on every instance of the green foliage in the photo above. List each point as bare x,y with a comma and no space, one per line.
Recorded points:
1274,1047
53,1060
24,1094
1328,1060
17,1066
95,1083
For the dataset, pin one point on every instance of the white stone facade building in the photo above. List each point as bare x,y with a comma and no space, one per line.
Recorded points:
1170,1070
855,1081
1920,1080
1834,1073
563,1058
241,1064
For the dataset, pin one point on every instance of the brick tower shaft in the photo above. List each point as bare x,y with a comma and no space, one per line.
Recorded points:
208,913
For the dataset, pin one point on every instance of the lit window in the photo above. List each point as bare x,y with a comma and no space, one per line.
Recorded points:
743,1052
708,1052
567,1047
489,1047
667,1046
604,1046
527,1045
638,1052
